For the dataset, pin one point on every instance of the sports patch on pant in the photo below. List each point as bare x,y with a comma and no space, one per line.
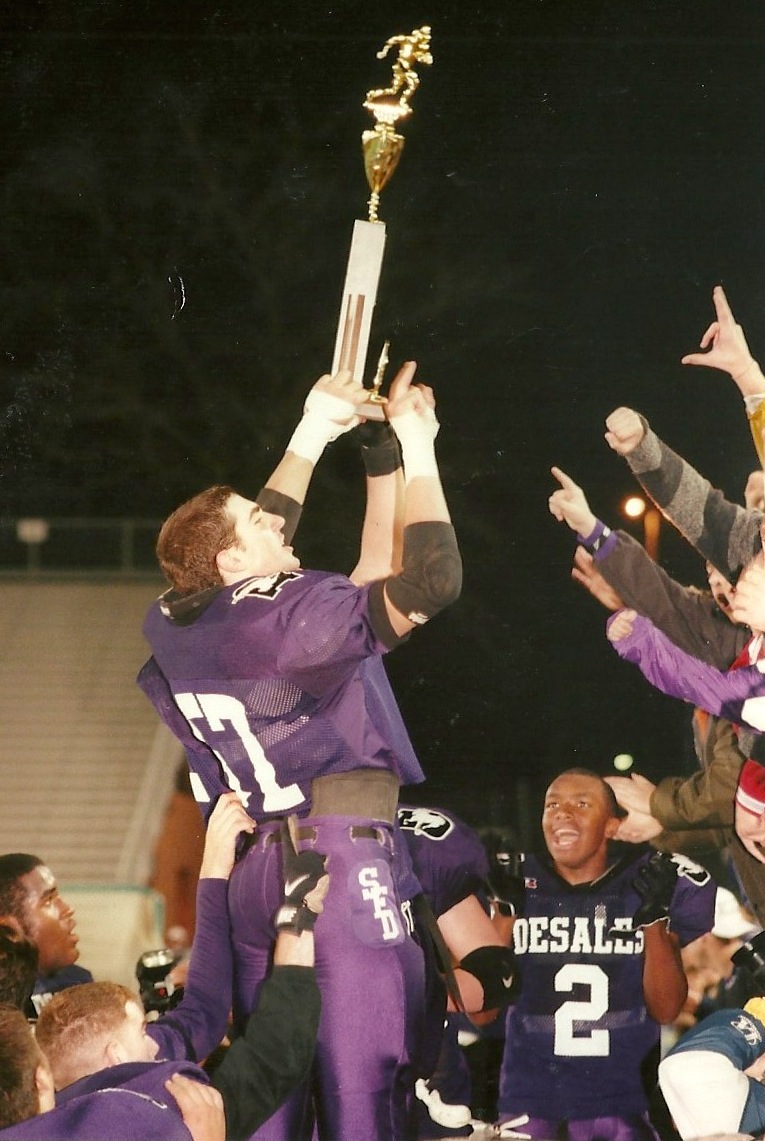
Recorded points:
375,915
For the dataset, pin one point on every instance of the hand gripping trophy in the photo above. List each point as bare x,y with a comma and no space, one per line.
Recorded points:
382,147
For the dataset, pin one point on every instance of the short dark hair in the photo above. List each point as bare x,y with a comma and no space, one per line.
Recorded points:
191,538
18,968
13,867
614,808
19,1058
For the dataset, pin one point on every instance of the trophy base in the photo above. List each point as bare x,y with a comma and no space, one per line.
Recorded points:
372,410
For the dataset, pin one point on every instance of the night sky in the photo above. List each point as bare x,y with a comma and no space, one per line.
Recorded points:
179,183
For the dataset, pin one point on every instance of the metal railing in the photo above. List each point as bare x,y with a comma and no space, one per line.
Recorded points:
37,546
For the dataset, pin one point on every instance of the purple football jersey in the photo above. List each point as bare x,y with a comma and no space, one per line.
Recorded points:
448,857
278,681
128,1102
577,1036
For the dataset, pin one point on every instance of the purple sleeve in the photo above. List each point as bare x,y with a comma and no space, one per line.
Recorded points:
692,912
199,1022
328,634
206,780
737,696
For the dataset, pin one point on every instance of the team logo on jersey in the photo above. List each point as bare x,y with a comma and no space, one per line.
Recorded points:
266,586
425,822
747,1028
689,870
374,905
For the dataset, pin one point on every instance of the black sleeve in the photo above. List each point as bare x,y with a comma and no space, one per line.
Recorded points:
276,503
262,1068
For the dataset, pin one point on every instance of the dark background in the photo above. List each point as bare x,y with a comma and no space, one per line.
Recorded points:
576,178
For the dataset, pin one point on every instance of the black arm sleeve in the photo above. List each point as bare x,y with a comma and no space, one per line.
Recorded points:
276,503
263,1067
431,571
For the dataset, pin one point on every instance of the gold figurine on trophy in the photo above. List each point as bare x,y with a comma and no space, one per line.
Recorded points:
382,148
383,145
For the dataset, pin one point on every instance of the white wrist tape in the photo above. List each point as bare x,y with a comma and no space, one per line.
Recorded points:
325,417
417,435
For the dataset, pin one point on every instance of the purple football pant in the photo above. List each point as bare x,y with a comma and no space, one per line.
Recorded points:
634,1128
369,971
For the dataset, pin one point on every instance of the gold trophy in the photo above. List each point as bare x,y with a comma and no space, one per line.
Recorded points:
382,148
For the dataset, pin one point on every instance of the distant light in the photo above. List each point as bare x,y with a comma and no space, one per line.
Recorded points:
623,762
31,530
634,507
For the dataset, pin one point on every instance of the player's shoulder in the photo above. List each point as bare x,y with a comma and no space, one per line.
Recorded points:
428,823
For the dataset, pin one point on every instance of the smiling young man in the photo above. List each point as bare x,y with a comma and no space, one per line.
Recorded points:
597,946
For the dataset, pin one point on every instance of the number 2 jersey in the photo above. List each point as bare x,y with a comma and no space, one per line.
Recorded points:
276,681
579,1031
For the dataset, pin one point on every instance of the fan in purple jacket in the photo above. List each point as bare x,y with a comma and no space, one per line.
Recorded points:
737,694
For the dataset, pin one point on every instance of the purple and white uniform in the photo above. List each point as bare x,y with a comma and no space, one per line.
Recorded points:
451,864
579,1031
276,682
448,857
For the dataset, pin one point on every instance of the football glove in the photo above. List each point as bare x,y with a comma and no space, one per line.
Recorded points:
655,884
302,872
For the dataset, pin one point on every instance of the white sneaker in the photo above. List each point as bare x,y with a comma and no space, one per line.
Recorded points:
449,1116
508,1128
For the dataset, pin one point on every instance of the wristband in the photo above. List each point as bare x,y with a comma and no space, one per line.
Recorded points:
417,434
324,419
595,540
294,918
380,451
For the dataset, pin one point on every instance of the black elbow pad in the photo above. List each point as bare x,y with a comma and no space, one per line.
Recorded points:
431,574
495,969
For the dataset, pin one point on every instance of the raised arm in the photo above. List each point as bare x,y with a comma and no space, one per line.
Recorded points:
724,346
737,695
724,533
617,570
264,1065
431,568
382,530
329,411
665,987
198,1024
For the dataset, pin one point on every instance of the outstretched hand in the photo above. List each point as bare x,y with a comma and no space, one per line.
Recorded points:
200,1106
633,792
624,430
411,403
585,573
621,626
569,505
336,399
724,344
227,821
305,883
